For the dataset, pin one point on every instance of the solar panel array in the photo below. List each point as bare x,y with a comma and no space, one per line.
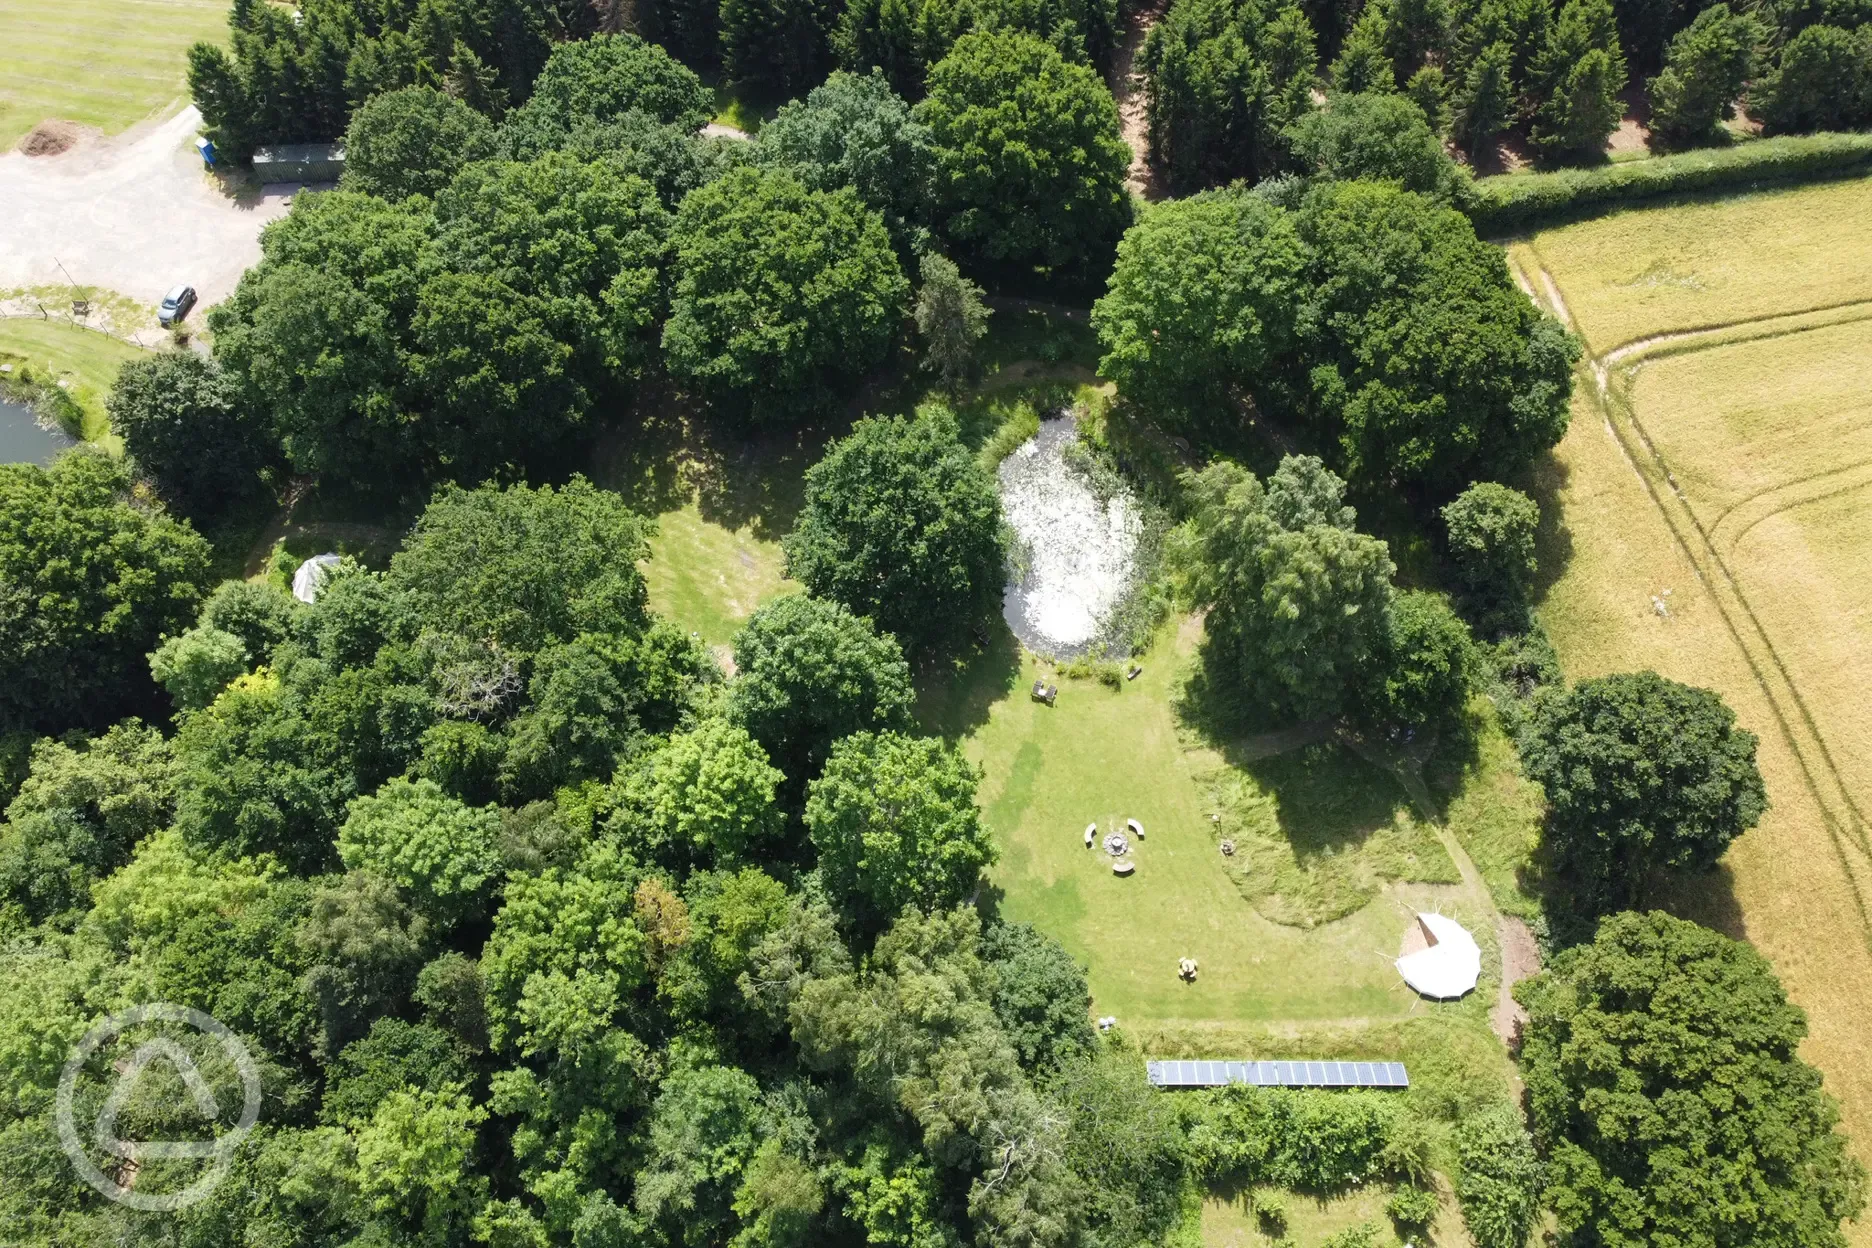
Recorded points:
1279,1074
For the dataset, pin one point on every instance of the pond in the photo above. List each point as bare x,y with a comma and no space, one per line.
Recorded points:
1075,552
23,440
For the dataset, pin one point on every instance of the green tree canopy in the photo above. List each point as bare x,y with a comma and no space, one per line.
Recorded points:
856,132
88,583
605,77
903,525
1039,994
1382,137
1421,669
1580,73
1823,81
1226,76
778,48
523,567
1667,1092
1707,65
1491,538
894,822
412,141
1296,596
440,850
1423,359
705,795
810,672
784,297
905,39
1201,301
950,318
1642,774
182,420
197,665
1030,167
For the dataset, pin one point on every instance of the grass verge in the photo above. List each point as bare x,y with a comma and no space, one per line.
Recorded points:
86,360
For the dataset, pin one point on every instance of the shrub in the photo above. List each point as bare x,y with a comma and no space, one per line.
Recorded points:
1523,200
1412,1208
1269,1209
1306,1141
1497,1177
1364,1235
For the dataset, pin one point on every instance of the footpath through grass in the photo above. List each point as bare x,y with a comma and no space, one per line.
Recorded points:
103,63
1726,474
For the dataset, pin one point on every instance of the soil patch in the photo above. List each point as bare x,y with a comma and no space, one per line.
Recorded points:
49,138
1520,958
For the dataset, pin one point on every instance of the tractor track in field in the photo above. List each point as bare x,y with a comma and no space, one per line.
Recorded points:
1845,821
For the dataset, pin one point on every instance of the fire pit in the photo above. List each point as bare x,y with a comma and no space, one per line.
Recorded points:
1116,844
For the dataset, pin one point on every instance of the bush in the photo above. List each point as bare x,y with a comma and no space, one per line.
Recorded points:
1364,1235
1302,1140
1269,1210
1497,1178
1412,1208
1521,201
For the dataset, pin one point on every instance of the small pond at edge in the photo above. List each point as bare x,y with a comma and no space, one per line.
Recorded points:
23,440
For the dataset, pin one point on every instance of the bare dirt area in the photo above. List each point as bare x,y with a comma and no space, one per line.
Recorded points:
1520,958
134,214
49,138
1129,89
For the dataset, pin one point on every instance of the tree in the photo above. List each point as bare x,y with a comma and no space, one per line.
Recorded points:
1422,386
1226,76
412,142
1296,596
1040,996
261,614
524,568
856,132
1030,167
1484,102
1381,137
1705,69
1421,669
413,1162
1125,1146
197,665
88,583
1492,532
894,822
1642,774
905,39
951,318
1200,303
784,297
1580,74
1823,81
607,76
395,1055
367,948
1667,1092
440,850
705,795
1363,66
810,672
779,48
182,420
903,525
702,1137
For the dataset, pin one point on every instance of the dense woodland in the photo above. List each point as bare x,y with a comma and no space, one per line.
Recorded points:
550,932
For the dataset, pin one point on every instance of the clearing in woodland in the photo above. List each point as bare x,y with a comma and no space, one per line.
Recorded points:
102,63
1706,520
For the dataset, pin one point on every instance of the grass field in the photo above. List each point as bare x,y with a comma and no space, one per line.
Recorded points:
709,579
1731,468
1647,271
104,63
86,359
1229,1222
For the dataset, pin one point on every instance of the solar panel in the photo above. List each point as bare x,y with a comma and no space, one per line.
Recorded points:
1215,1074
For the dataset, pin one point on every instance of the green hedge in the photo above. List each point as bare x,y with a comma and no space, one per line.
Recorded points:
1302,1140
1516,201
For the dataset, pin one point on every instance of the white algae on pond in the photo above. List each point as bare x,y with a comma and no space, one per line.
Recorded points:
1075,552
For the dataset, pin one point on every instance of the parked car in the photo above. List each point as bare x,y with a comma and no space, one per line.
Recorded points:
176,305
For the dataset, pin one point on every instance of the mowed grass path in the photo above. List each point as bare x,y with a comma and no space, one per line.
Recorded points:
707,578
1734,472
104,63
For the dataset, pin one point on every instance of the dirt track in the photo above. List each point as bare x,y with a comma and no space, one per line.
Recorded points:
134,214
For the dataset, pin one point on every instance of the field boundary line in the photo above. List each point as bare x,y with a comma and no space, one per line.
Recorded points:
1840,813
1778,492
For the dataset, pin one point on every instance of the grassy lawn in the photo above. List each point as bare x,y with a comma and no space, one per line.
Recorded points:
1730,469
86,359
1657,270
707,578
104,63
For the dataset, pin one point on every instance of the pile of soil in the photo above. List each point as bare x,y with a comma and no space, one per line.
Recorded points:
49,138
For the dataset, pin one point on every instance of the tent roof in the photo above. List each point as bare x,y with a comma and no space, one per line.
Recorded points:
310,578
1449,966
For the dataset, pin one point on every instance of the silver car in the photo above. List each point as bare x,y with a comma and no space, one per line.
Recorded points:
175,305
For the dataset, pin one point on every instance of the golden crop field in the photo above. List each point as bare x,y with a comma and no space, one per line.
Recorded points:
1720,464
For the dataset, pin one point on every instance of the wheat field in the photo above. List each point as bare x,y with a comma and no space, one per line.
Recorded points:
1720,464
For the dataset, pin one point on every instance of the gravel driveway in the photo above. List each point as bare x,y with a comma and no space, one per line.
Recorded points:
134,214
